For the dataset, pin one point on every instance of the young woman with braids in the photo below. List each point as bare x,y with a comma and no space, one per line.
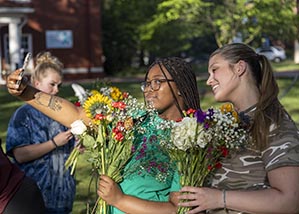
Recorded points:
39,145
170,87
264,177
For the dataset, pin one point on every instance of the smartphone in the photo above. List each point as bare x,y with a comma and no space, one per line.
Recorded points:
25,64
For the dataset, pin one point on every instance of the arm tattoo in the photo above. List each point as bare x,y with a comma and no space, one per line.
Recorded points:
54,103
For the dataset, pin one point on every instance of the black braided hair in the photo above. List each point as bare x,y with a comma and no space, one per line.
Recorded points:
184,78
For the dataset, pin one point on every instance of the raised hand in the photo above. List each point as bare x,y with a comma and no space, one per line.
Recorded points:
11,83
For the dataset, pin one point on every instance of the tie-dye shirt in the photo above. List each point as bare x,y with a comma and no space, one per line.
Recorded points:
29,126
248,169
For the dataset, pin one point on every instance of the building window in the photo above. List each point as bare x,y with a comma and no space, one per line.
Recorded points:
26,46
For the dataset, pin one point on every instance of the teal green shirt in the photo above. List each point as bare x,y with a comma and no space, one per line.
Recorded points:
149,174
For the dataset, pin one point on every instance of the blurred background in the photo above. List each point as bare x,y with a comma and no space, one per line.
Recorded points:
116,40
95,38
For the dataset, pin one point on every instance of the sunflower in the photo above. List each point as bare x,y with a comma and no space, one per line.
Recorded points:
97,104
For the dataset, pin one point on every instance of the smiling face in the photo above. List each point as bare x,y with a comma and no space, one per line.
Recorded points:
224,79
50,82
163,99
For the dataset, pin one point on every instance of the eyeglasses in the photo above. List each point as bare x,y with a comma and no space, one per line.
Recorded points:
155,84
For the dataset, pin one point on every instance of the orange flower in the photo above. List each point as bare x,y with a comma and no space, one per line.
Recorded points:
128,124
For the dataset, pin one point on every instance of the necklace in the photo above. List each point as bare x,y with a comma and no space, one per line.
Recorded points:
249,110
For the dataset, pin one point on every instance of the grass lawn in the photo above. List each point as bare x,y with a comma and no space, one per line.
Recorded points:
85,189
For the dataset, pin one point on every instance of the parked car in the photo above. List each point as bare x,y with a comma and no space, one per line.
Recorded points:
273,53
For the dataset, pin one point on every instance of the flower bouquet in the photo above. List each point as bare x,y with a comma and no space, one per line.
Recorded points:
108,139
201,139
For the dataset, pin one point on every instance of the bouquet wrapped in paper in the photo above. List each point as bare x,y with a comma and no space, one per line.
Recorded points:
108,139
201,139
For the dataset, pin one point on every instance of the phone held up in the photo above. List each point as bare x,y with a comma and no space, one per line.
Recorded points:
25,64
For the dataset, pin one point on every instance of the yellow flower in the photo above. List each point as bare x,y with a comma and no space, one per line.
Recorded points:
228,108
116,94
94,92
236,116
97,104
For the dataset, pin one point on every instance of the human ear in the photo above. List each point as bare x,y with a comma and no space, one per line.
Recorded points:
241,67
36,83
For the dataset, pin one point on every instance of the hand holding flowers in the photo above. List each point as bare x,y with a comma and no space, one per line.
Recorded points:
108,139
201,139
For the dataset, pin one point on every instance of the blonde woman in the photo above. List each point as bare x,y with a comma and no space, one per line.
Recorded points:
39,145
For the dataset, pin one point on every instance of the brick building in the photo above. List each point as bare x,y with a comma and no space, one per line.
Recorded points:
69,29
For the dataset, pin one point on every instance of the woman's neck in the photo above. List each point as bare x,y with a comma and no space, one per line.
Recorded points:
245,101
173,115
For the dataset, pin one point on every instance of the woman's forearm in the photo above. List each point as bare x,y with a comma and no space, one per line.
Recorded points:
282,197
133,205
55,107
32,152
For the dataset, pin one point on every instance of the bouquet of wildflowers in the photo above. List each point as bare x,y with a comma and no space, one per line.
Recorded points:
201,139
108,139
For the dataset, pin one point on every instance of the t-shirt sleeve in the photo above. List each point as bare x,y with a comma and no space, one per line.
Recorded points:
18,132
283,147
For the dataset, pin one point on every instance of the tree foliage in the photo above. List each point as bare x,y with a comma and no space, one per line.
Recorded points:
121,30
170,27
228,19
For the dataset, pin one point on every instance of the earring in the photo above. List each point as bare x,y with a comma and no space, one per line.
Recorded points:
179,93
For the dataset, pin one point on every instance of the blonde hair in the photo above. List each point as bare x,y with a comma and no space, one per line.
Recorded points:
45,61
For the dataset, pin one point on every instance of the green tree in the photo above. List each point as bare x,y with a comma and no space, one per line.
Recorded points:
228,19
121,30
173,27
132,28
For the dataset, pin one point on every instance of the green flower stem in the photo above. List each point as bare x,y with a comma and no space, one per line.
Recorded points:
102,142
72,160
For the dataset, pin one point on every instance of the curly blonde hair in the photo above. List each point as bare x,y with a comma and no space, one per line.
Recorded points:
45,61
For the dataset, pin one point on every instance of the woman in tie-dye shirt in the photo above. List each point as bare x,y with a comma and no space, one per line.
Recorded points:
40,145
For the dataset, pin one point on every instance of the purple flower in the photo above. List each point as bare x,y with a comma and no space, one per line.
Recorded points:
206,125
210,112
200,116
